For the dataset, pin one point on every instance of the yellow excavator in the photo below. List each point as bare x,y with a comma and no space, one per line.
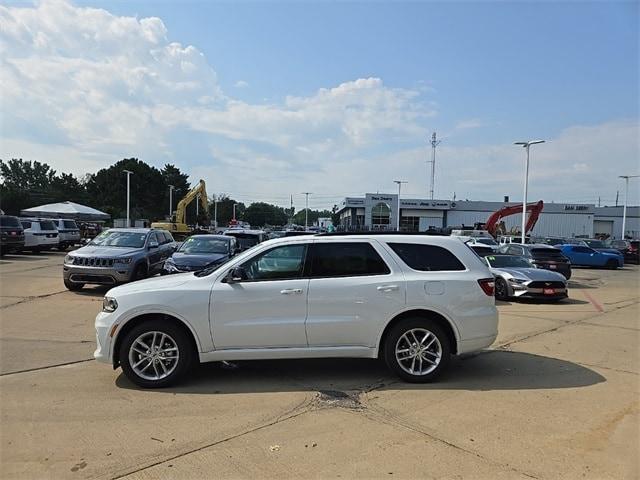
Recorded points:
178,226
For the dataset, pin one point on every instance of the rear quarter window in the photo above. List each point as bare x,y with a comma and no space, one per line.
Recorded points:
427,258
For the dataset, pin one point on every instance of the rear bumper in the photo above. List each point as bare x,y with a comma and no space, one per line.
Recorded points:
7,243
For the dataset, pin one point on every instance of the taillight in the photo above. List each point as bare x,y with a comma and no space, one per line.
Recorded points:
487,285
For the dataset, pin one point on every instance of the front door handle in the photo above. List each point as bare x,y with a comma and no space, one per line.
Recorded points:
388,288
291,291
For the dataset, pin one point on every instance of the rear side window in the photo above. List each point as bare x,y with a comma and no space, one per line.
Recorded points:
345,260
427,258
9,222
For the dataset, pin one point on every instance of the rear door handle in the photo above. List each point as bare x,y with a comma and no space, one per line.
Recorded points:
388,288
291,291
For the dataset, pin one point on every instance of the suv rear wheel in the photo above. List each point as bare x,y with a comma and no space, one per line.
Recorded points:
155,354
417,350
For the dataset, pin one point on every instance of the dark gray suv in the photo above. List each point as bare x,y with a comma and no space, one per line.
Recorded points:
118,255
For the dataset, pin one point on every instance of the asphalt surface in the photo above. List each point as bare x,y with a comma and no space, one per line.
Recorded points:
557,396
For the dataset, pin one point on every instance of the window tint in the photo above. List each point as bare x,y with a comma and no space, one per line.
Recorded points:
25,224
345,260
70,224
168,236
427,258
280,263
47,225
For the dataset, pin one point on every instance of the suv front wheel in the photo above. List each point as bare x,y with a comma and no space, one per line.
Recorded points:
155,354
417,350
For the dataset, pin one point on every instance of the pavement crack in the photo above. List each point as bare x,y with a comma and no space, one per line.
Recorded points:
46,367
32,297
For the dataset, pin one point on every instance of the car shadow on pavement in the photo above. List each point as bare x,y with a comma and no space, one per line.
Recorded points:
94,291
484,371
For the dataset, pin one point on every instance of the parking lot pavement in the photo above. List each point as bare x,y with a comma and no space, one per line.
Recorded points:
555,397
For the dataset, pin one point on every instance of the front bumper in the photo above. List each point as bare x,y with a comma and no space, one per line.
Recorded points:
104,324
524,291
118,273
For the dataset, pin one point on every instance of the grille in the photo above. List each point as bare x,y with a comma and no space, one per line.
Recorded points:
546,285
93,262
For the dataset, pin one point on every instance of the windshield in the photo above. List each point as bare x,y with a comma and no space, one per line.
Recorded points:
486,241
204,245
9,222
113,238
595,243
508,261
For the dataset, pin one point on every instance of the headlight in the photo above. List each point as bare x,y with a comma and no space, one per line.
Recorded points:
517,280
124,260
68,260
109,304
170,266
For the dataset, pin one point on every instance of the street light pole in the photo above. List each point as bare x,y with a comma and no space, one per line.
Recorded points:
234,210
306,210
215,212
129,173
171,187
626,197
526,145
399,182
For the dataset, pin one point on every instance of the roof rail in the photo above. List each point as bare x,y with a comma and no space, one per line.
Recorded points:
379,232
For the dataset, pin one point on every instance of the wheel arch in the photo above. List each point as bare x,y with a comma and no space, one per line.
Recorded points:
440,319
122,332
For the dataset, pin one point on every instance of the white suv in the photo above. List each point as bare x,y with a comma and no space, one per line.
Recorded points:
413,300
39,234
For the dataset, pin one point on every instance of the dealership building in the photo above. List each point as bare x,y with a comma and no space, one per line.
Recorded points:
378,211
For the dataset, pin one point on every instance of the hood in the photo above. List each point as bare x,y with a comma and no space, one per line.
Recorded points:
98,251
535,274
155,283
197,260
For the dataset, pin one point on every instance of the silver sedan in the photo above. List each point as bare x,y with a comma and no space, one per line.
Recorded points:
516,277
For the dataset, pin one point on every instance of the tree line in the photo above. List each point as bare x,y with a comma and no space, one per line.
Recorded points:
25,184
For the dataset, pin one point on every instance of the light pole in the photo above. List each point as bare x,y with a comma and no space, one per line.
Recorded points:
215,212
526,145
129,173
306,210
234,210
399,182
626,195
171,188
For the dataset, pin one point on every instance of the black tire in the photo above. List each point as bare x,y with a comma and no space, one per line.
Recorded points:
186,353
612,264
74,287
502,289
394,337
140,272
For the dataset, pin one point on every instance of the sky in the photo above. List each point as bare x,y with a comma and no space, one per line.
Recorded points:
266,100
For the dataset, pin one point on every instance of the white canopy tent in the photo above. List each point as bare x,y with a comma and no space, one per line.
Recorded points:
66,210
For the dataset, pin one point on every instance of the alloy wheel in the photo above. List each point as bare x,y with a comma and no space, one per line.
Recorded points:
418,351
154,355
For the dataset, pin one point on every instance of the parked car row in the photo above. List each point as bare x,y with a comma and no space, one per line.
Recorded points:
36,234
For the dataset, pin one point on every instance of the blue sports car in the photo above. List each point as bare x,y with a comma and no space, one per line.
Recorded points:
586,256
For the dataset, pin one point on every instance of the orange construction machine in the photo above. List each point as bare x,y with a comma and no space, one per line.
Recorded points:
534,209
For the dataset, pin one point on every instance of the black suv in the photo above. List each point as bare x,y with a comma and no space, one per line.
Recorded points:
11,234
542,256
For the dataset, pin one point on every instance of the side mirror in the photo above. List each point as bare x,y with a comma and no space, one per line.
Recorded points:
235,275
153,244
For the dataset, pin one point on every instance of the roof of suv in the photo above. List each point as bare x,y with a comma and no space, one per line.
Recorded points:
135,230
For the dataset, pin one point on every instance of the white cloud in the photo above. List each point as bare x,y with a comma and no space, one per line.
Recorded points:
241,84
84,88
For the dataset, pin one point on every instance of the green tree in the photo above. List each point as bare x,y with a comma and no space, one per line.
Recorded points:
107,190
299,217
225,209
260,214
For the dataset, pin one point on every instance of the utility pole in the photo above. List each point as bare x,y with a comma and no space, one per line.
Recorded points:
617,194
306,209
399,182
291,209
434,144
215,212
598,201
526,145
171,188
129,173
626,198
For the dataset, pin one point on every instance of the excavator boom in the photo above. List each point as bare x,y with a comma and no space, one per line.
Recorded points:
534,210
179,228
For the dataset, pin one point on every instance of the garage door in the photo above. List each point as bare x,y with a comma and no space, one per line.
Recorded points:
603,227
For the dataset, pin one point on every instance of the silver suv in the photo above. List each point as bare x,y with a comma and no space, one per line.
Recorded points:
118,255
68,232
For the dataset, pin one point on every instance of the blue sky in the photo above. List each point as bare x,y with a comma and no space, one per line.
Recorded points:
482,74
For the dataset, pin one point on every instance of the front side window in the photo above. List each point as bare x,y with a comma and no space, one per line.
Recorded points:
346,260
427,258
280,263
